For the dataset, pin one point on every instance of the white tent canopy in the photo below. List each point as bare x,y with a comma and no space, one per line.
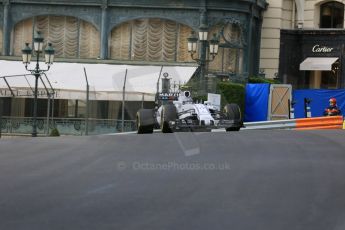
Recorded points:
105,80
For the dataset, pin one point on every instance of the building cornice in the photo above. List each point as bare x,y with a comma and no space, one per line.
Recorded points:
314,31
186,4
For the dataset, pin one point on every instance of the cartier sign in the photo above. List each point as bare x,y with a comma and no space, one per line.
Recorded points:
322,49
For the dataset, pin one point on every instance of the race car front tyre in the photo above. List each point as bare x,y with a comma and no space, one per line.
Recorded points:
145,121
233,112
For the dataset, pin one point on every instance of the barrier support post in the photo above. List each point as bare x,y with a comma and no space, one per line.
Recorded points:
291,109
307,111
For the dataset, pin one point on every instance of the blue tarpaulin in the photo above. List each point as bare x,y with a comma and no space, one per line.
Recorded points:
320,100
256,102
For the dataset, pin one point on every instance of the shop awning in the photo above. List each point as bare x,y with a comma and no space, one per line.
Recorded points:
318,63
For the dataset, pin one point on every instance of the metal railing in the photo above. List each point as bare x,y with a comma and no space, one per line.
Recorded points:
65,126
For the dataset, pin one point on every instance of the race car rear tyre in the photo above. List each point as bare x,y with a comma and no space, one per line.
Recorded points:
145,121
233,112
169,113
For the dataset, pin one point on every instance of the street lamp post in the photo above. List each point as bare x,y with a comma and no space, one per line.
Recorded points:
49,59
202,60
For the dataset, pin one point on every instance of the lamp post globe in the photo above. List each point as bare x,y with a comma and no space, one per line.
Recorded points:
26,54
214,45
203,32
38,42
192,43
49,54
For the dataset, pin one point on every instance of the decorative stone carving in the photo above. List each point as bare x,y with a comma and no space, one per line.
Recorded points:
224,22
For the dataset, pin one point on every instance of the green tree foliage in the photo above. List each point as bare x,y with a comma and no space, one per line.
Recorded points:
231,93
55,133
262,80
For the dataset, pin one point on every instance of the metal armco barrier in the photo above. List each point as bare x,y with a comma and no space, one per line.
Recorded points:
279,124
332,122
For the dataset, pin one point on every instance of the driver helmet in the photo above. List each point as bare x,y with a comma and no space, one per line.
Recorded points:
333,101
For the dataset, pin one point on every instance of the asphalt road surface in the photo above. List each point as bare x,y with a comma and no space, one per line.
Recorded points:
255,180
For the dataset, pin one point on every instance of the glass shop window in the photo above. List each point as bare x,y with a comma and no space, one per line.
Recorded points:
332,15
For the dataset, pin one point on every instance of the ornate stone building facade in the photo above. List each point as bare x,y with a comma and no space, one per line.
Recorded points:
144,31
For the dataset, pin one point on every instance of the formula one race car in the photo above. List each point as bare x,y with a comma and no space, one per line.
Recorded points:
178,112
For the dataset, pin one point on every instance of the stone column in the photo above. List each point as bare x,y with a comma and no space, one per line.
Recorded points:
248,54
6,33
104,31
256,65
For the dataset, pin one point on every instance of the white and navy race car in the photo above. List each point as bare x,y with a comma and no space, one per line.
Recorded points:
180,113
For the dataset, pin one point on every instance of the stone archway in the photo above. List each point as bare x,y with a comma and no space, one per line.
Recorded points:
150,39
71,36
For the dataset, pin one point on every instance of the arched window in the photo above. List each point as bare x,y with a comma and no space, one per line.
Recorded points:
150,39
71,37
332,15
